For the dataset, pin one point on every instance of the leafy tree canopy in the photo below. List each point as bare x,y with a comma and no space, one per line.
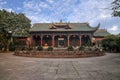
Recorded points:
116,8
111,43
12,22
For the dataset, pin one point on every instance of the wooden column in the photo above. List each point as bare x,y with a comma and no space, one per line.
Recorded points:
68,40
80,39
90,37
41,39
31,40
53,40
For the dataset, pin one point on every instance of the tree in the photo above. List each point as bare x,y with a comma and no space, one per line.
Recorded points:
118,44
111,43
16,23
116,8
5,39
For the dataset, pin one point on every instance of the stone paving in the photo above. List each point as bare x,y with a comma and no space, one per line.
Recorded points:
24,68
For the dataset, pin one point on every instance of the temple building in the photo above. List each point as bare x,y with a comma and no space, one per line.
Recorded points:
62,34
20,38
99,35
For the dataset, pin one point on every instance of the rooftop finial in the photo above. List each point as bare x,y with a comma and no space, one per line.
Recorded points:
60,20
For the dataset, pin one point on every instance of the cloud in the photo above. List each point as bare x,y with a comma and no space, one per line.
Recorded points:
91,11
9,9
50,1
51,10
114,29
2,6
18,8
2,3
75,10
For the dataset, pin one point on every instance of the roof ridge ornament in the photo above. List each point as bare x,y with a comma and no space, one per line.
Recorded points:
61,21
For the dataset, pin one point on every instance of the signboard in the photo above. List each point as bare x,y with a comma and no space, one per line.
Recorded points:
60,38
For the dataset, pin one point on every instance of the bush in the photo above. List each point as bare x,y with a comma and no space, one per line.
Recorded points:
12,47
40,48
70,48
111,43
50,48
81,48
96,49
30,49
22,48
1,47
89,49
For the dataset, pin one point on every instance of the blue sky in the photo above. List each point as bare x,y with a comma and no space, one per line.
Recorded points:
91,11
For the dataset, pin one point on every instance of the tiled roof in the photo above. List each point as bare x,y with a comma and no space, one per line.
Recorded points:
20,34
73,27
101,33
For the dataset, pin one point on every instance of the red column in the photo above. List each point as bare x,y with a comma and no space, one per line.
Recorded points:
31,40
68,40
41,40
80,39
53,40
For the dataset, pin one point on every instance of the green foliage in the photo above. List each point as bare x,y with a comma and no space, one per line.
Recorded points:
1,47
118,44
12,47
96,49
89,48
50,48
88,43
30,48
40,48
70,48
116,8
22,48
16,23
81,48
19,42
5,39
111,43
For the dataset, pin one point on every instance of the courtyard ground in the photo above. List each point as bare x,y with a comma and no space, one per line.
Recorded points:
94,68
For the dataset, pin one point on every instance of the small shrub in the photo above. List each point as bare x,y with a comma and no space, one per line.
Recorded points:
12,47
22,48
70,48
50,48
40,48
97,49
81,48
89,49
30,49
1,47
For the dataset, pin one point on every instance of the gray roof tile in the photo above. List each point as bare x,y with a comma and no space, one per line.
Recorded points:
74,27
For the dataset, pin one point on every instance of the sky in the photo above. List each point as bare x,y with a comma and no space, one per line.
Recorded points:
44,11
